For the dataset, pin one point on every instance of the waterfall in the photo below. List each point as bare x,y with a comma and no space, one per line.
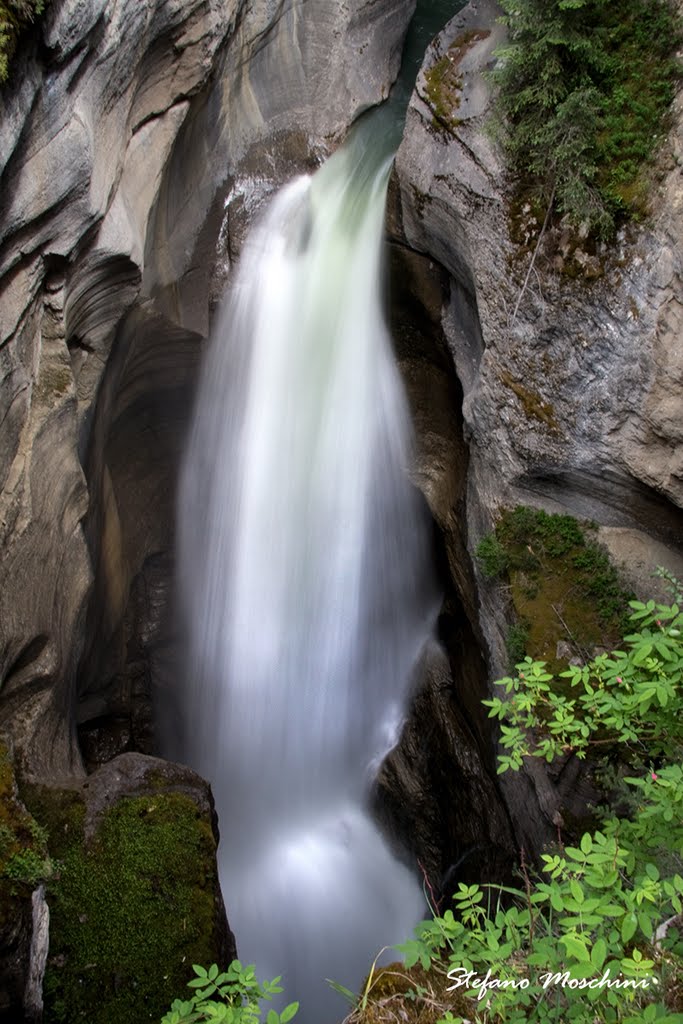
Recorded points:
302,559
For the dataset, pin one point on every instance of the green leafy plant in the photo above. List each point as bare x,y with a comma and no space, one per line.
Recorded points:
583,87
232,996
592,934
631,698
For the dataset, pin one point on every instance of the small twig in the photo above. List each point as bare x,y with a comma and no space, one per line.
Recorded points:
540,285
533,258
558,823
571,636
527,887
434,904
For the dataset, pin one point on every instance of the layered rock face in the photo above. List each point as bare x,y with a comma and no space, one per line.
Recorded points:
570,369
136,139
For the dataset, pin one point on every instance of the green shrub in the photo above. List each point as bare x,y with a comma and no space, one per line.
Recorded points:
27,867
581,939
232,996
492,556
516,641
583,89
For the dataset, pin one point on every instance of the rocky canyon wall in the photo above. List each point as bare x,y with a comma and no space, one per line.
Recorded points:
571,370
136,139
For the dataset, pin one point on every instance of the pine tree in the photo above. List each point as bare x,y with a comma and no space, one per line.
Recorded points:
583,85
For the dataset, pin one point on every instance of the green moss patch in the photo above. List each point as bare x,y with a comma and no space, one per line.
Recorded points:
561,583
443,81
533,405
131,910
24,859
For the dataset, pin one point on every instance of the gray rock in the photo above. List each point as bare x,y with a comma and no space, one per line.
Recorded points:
40,944
437,788
561,375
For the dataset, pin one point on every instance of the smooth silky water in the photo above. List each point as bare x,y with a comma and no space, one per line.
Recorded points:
306,587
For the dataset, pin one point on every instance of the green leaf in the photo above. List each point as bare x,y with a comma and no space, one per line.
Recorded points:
576,890
288,1012
628,927
646,925
556,901
575,947
642,654
350,996
598,953
611,910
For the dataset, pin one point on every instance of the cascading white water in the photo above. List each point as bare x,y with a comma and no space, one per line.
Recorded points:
303,550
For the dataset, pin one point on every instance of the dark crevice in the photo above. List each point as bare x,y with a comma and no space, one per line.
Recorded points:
74,343
29,654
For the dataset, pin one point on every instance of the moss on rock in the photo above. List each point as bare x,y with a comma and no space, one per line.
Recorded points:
563,587
533,405
444,80
397,993
135,903
24,860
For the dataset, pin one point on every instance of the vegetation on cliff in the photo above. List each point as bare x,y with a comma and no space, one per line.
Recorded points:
583,89
595,932
15,17
563,589
24,858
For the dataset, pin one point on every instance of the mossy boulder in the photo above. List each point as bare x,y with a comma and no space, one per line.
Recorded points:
136,900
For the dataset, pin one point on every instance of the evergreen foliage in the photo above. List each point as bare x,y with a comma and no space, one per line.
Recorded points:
583,91
15,16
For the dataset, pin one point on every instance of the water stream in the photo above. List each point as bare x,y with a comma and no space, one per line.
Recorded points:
304,560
